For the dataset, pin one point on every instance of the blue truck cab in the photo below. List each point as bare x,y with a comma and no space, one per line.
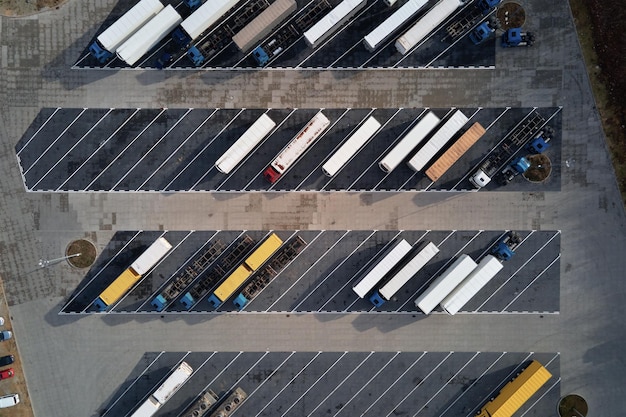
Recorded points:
159,302
481,33
214,301
240,301
98,52
193,4
187,301
100,305
377,299
505,248
180,37
487,5
260,56
195,56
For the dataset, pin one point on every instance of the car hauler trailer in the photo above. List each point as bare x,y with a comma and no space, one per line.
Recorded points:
253,262
426,24
392,24
445,283
409,142
165,391
455,152
245,144
296,148
487,268
383,264
148,36
200,20
133,274
330,23
439,139
516,392
351,146
409,270
263,24
105,45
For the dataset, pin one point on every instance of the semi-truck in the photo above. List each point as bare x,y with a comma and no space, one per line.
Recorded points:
245,144
516,167
149,35
230,404
131,276
445,283
455,152
296,147
233,256
438,140
504,249
470,17
516,392
517,138
487,268
252,263
426,24
263,24
408,271
382,264
392,24
330,23
202,405
106,44
351,146
190,273
263,277
409,142
200,20
165,391
515,37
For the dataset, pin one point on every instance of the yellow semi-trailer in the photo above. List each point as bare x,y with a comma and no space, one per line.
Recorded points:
131,276
516,392
253,262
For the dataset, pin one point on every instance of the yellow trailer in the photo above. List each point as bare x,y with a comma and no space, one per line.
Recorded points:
516,392
456,151
263,252
117,289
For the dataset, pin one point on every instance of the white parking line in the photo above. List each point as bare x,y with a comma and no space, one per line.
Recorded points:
203,389
532,282
55,140
340,384
72,148
154,145
38,130
125,148
97,149
541,397
267,378
419,384
315,383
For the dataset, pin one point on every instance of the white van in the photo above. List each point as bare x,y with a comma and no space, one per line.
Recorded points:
9,400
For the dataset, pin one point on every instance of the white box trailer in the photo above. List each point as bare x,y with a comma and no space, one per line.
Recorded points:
263,24
487,268
427,23
438,141
173,383
151,256
386,29
409,142
116,34
149,35
296,148
206,15
445,283
408,271
148,408
381,267
351,146
245,144
336,18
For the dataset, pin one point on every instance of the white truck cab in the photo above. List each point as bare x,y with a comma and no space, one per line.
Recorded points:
480,179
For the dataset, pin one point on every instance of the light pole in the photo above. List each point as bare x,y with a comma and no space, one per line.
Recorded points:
44,263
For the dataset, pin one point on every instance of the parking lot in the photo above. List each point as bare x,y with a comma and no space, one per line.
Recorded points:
298,384
343,50
176,149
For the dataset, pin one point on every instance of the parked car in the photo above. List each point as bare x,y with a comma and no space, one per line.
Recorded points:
1,321
9,400
7,360
5,335
7,373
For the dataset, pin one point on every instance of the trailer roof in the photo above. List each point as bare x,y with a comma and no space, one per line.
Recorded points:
392,23
129,23
209,13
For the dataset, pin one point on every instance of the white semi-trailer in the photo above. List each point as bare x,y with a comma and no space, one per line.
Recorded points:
409,142
200,20
408,271
487,268
427,23
330,23
105,45
351,146
439,139
392,24
149,35
245,144
445,283
165,391
263,24
381,267
296,148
